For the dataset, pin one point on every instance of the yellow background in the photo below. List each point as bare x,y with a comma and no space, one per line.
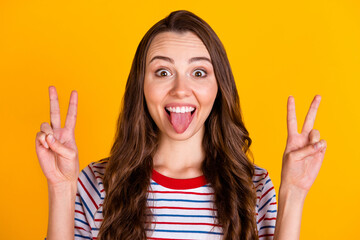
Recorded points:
276,49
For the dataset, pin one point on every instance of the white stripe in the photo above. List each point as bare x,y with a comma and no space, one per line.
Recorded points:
155,187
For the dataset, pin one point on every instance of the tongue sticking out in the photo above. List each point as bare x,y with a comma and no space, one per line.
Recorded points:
180,121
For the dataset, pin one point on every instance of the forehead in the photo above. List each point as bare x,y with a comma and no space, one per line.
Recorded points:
177,45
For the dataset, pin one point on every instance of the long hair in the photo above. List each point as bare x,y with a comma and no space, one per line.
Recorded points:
226,143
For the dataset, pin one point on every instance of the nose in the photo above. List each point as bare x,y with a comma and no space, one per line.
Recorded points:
181,87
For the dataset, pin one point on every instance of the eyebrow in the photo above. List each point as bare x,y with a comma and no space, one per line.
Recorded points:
172,60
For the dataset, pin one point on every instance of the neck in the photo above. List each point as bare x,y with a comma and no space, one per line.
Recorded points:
180,159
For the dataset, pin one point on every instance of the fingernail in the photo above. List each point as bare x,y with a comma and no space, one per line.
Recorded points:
46,145
51,138
318,145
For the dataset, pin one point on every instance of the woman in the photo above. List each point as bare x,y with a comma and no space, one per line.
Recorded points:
179,166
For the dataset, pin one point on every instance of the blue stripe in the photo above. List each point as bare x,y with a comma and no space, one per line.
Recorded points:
79,220
96,229
87,208
183,231
77,235
257,168
266,203
258,180
179,200
98,172
266,227
271,211
262,189
177,215
98,193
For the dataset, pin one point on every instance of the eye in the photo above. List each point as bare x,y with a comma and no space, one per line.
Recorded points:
163,73
200,73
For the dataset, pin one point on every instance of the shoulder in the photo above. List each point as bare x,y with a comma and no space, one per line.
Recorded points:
89,199
90,183
261,177
263,184
96,170
266,205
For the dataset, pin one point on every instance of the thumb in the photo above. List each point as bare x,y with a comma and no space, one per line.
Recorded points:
59,148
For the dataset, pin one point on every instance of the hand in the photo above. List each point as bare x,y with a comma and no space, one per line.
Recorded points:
304,152
55,146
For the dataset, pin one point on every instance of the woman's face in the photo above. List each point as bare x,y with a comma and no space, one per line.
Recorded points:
180,85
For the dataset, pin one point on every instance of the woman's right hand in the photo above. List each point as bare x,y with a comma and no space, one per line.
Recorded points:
55,146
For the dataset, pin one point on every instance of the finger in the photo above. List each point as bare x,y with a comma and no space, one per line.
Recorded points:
306,151
59,148
311,115
40,137
72,111
324,146
291,117
46,128
314,136
317,159
54,108
315,162
323,150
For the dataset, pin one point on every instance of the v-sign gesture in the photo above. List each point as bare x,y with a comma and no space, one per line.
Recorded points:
304,152
55,146
303,156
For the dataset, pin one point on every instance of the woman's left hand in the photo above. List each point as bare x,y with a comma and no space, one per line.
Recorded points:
304,152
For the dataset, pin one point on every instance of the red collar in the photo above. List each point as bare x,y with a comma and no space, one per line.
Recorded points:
177,183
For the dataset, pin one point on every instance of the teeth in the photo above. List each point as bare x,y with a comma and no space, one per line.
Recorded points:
180,109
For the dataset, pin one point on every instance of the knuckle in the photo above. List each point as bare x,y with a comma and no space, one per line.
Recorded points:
54,112
72,154
44,126
313,131
40,135
291,156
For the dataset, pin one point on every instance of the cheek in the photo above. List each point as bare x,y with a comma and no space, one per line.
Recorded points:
153,95
149,89
208,94
154,90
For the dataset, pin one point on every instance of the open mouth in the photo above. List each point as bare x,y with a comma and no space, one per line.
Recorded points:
180,117
168,112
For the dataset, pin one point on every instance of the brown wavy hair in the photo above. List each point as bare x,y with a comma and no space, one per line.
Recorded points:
227,166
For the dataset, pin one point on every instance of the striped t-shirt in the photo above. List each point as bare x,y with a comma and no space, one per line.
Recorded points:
182,208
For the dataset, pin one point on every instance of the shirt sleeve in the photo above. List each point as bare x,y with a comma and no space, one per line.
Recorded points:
82,224
89,200
266,207
82,219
